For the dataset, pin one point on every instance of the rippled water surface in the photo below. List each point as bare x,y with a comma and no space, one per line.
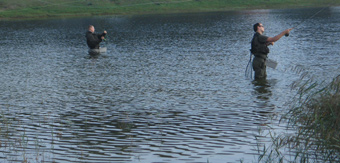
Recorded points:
171,88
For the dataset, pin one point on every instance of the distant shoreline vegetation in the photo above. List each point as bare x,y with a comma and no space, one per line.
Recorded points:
22,9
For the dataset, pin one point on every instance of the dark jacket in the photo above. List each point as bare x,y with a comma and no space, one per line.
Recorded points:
259,45
93,39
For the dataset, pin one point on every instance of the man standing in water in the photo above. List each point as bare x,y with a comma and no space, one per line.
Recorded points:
94,39
259,47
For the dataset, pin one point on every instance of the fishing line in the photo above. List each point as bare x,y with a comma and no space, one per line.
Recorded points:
312,16
309,18
249,71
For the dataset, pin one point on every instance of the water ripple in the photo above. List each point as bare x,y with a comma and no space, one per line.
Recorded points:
171,90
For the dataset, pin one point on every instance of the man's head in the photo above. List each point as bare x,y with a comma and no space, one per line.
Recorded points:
258,27
91,28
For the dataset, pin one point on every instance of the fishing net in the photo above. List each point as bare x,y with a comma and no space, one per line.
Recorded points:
249,68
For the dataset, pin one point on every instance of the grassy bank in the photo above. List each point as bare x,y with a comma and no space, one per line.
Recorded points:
11,9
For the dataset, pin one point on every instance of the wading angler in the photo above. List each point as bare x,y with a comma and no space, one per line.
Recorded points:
259,48
93,39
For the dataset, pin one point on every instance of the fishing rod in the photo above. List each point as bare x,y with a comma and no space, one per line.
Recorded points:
248,71
309,18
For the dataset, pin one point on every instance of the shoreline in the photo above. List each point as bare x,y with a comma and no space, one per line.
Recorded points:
88,9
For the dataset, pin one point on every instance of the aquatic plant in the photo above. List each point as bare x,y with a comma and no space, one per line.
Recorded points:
316,117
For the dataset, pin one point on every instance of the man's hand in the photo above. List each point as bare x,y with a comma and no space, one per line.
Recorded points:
270,43
287,31
103,38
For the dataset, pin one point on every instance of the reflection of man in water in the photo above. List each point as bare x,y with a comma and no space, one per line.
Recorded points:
93,39
263,88
259,47
263,93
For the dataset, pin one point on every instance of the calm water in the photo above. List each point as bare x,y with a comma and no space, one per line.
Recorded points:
171,88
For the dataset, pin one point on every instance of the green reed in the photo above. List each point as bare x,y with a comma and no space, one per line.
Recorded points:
315,114
18,141
318,114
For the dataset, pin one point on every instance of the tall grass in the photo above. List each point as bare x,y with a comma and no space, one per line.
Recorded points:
316,117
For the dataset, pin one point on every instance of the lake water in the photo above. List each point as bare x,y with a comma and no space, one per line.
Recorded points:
171,88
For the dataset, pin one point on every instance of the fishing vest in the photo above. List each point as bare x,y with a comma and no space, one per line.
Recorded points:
258,48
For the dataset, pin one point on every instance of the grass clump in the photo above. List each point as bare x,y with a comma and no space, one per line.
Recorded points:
316,117
318,111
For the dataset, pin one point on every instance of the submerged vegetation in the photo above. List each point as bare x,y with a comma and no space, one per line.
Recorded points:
316,117
64,8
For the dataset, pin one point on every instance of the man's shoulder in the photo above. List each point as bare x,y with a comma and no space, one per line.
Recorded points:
89,34
256,34
262,38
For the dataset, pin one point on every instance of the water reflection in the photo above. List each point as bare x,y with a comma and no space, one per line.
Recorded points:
93,55
263,93
169,89
262,88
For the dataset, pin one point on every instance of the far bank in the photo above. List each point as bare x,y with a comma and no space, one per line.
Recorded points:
21,9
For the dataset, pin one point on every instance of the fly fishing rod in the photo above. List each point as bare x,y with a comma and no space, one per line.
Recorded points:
308,18
248,71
